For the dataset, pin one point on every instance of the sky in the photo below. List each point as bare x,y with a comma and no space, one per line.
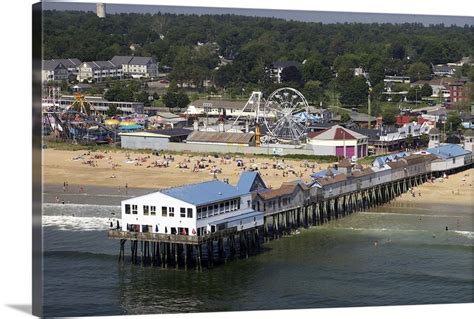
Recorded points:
307,16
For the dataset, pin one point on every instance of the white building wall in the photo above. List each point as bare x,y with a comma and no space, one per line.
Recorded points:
447,164
159,200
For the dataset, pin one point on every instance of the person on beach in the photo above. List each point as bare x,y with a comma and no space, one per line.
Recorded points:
57,199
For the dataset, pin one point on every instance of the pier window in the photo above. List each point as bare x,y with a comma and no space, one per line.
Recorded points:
204,212
153,210
238,204
146,209
135,209
198,213
227,207
164,211
221,207
190,213
216,209
127,208
171,211
182,212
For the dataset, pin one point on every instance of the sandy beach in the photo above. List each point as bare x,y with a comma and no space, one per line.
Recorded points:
121,175
457,189
119,168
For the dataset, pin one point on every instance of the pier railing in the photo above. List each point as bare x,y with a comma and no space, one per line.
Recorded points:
170,238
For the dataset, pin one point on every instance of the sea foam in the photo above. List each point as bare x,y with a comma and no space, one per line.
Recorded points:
72,223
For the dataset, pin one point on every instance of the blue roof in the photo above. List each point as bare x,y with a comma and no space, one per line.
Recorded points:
203,193
392,157
448,150
324,173
246,181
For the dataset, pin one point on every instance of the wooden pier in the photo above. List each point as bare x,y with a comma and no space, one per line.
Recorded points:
178,251
320,207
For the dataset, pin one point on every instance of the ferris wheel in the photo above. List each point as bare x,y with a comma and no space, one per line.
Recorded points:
285,114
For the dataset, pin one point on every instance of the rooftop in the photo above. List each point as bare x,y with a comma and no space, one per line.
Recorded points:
446,151
205,192
336,133
250,181
221,137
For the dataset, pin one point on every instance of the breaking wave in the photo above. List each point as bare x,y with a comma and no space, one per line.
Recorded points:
73,223
468,234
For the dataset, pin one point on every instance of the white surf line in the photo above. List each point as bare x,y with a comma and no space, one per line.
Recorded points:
80,205
71,223
378,229
414,215
468,234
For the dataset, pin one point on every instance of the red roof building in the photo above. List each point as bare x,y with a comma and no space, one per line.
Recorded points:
339,141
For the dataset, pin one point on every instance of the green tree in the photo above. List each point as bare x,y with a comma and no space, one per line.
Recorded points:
119,92
169,99
377,73
182,100
345,117
397,51
426,90
409,140
424,139
291,74
419,71
453,122
314,92
314,70
388,115
344,77
355,93
413,94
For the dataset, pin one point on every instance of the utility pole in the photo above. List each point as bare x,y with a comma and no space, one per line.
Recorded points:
368,104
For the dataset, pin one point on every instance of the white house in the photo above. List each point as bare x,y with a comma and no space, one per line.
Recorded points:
194,209
98,71
53,71
136,66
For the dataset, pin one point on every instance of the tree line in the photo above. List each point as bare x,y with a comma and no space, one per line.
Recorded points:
327,53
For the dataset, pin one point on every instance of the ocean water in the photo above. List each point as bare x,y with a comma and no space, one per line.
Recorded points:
391,255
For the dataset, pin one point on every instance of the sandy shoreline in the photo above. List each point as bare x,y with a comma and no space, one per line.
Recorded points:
457,189
117,169
89,176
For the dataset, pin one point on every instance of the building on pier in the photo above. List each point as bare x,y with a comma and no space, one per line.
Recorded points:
449,157
288,196
194,209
